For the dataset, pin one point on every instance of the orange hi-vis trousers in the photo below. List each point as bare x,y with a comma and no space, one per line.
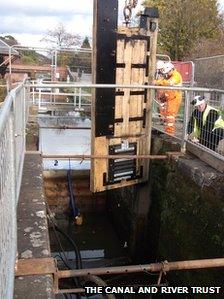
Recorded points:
172,102
171,110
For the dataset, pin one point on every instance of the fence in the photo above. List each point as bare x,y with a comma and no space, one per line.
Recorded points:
203,118
45,97
209,71
214,97
13,117
81,57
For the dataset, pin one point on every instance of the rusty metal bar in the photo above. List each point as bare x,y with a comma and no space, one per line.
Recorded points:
44,266
40,266
71,291
84,157
155,267
35,266
65,127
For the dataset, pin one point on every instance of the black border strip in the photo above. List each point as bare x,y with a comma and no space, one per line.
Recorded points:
132,37
137,92
144,118
148,44
120,65
139,65
136,118
119,120
147,66
146,93
119,93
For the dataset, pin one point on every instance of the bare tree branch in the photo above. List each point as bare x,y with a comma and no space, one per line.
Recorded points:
59,37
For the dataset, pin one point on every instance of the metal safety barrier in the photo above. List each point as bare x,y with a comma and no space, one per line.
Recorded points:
13,116
210,140
45,97
193,125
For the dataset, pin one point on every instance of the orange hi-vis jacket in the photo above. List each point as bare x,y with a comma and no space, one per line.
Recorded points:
173,100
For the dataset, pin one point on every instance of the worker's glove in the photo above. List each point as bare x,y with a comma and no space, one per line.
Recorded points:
195,140
163,98
192,138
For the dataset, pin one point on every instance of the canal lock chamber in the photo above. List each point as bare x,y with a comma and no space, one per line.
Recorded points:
178,215
103,237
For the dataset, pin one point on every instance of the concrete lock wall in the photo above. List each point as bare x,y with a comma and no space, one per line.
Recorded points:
183,217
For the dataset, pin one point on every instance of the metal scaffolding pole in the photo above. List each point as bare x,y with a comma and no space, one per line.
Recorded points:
122,86
155,267
84,157
44,266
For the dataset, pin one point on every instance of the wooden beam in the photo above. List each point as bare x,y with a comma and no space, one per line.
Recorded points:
151,56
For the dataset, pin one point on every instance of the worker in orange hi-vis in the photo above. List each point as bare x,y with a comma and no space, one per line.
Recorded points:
172,98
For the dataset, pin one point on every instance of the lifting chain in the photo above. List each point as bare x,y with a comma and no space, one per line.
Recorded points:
127,11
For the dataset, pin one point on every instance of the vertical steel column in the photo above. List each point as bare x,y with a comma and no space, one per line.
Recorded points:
74,97
39,98
185,120
80,97
10,67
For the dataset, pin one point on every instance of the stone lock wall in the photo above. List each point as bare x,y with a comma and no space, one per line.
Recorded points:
184,217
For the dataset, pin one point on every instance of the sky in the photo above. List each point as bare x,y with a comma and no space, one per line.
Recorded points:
28,21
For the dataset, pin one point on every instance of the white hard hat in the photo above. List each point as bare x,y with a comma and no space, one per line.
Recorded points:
168,66
198,100
160,64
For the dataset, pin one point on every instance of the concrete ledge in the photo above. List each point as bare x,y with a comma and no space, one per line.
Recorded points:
207,157
203,175
33,238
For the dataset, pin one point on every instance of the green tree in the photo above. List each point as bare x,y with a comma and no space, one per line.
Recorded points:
82,59
184,23
86,43
9,40
209,46
64,58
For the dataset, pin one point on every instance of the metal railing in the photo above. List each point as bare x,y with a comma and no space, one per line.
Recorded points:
208,139
214,97
44,97
13,116
50,52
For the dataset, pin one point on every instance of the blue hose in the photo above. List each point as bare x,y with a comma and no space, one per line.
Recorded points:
72,202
